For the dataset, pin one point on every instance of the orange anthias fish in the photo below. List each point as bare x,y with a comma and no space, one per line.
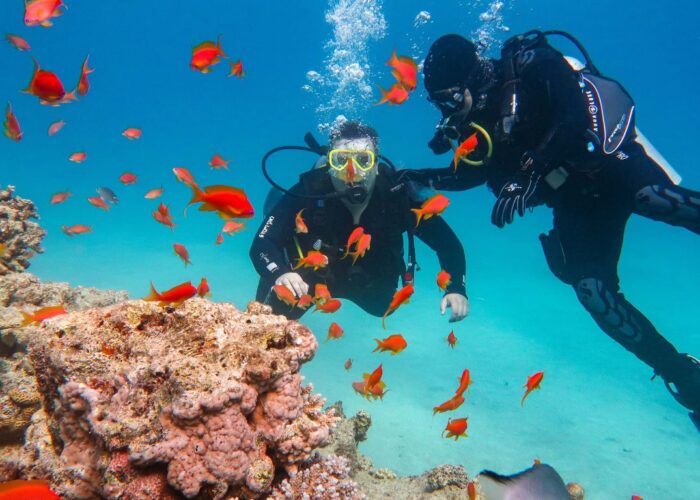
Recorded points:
373,378
330,306
456,428
42,314
60,197
237,69
397,94
468,146
636,497
163,216
127,178
394,343
218,162
321,293
17,42
154,193
229,202
334,331
78,157
132,133
299,224
348,364
39,12
353,238
444,279
83,83
405,71
219,239
314,259
533,382
55,127
203,288
305,301
451,404
284,295
76,229
432,206
361,248
182,252
183,175
400,297
21,489
464,382
176,295
11,126
232,227
98,202
471,490
47,87
377,390
452,339
206,54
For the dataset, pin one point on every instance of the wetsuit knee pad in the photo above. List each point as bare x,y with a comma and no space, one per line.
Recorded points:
673,204
591,293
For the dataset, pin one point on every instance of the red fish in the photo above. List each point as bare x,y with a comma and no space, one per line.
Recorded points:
183,175
314,259
468,146
299,224
353,238
60,197
456,428
400,297
132,133
76,229
154,193
203,288
394,343
163,216
17,42
464,382
237,69
42,314
361,389
219,239
182,252
348,364
321,293
452,339
373,378
218,162
78,157
377,390
451,404
284,295
636,497
444,279
11,126
47,87
405,70
127,178
397,94
205,55
232,227
305,301
98,202
229,202
334,331
361,248
432,206
330,306
40,12
21,489
533,382
471,490
55,127
176,295
83,83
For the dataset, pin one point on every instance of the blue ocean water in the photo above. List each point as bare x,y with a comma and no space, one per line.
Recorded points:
598,419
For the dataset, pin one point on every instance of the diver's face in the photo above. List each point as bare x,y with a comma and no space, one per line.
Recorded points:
355,172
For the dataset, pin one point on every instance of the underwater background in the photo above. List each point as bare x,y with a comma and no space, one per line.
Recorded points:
598,419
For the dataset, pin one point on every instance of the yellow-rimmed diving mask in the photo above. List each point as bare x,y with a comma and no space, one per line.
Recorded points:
339,159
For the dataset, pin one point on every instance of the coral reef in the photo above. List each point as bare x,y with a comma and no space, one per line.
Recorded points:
326,478
20,237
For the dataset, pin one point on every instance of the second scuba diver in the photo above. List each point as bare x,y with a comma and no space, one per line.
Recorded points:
350,188
564,136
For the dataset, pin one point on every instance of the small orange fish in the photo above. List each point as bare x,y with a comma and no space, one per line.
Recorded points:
464,382
313,259
60,197
163,216
400,297
219,239
21,489
17,42
377,391
432,206
465,149
203,288
218,162
42,314
330,306
11,126
48,87
55,127
361,389
232,227
444,279
40,12
471,490
361,248
537,461
397,94
176,295
83,83
98,202
373,378
452,339
394,343
533,382
227,201
636,497
78,157
451,404
405,70
127,178
305,301
348,364
183,175
182,252
132,133
353,238
237,69
205,55
321,293
456,428
334,331
154,193
76,229
284,295
300,225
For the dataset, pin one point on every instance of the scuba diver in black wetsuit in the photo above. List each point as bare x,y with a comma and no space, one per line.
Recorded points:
561,134
350,188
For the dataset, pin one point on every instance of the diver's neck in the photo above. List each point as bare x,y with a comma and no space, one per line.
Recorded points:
356,209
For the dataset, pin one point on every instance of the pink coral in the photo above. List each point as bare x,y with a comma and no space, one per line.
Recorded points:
323,478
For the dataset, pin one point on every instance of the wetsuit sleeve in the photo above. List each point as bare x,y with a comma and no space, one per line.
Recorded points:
446,179
438,235
267,250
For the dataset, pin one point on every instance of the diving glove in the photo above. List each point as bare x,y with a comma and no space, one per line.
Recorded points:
516,195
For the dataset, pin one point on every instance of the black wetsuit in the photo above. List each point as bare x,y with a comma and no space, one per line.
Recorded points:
372,280
590,209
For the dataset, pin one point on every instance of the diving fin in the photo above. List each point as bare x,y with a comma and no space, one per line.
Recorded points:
539,482
695,418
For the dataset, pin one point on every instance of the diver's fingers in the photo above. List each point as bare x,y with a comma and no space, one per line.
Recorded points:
296,284
304,287
443,305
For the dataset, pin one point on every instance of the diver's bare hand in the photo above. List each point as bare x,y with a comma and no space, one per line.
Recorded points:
294,282
459,305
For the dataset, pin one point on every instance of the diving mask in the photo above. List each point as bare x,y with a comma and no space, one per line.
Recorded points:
340,159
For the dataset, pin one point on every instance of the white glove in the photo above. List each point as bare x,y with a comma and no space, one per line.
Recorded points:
294,282
459,305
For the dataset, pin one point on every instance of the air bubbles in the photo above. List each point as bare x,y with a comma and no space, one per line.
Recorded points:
421,19
491,19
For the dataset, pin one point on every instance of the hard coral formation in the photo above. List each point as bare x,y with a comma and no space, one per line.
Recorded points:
19,398
324,478
20,237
